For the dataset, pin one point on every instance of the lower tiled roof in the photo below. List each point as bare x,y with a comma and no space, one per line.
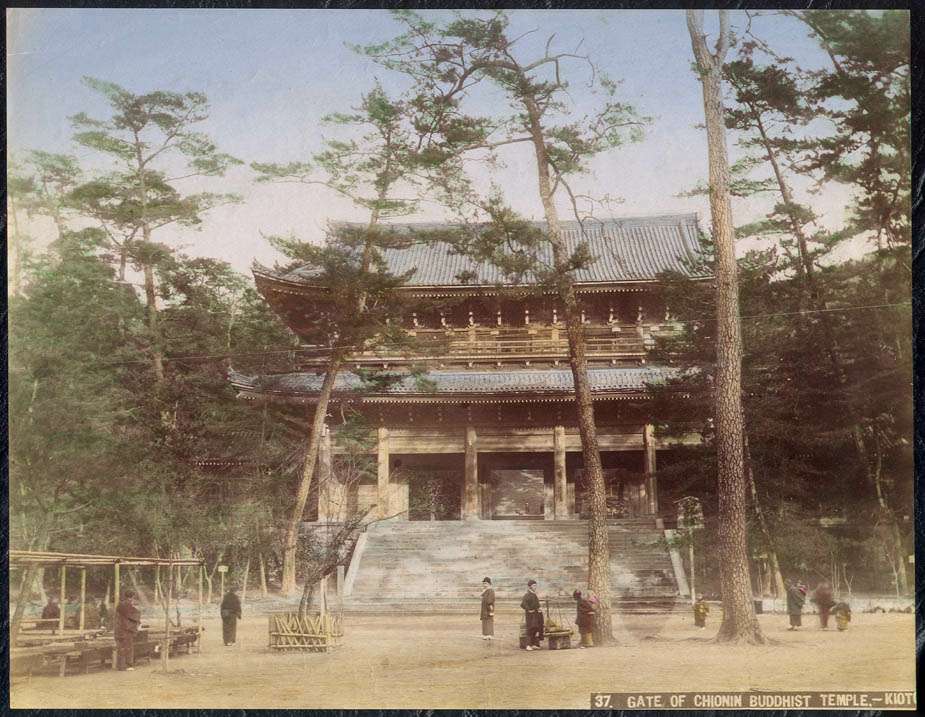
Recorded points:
517,381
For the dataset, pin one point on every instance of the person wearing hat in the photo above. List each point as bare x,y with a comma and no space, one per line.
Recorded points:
584,619
534,616
796,598
230,610
127,622
488,610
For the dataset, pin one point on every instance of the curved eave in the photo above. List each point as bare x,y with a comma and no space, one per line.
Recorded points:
249,393
267,280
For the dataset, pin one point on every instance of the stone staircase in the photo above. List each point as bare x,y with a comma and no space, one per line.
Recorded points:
438,566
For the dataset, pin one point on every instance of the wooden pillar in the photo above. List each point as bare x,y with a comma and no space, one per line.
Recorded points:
112,615
470,509
560,491
165,646
327,501
648,441
62,597
116,587
202,569
383,487
83,598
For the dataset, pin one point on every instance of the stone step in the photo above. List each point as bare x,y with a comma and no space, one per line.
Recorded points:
416,563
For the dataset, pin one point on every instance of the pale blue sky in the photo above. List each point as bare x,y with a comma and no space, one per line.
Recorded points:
271,74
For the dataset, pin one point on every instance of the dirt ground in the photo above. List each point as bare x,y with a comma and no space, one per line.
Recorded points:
440,661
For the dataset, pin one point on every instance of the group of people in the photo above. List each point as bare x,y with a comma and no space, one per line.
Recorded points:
96,614
533,615
824,599
128,621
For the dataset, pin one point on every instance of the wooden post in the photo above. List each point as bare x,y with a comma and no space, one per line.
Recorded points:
323,590
341,574
115,606
165,647
202,569
648,440
63,597
383,472
223,585
471,481
83,598
560,495
690,539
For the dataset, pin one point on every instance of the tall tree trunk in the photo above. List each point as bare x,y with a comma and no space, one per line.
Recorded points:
263,574
15,251
247,569
776,579
739,620
598,539
157,352
290,545
25,592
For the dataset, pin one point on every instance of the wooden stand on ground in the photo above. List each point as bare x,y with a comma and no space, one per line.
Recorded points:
317,632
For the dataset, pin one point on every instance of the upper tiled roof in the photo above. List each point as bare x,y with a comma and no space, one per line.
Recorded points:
520,381
625,250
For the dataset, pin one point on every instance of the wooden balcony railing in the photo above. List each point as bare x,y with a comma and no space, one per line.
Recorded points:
525,343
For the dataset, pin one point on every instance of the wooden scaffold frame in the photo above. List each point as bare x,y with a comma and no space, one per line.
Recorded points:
27,559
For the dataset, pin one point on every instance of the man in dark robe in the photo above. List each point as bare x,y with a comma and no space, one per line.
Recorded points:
127,622
487,613
231,612
534,616
796,597
584,619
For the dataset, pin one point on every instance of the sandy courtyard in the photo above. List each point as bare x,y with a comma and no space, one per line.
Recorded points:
431,662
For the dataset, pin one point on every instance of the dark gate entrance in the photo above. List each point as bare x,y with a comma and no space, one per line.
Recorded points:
517,494
434,494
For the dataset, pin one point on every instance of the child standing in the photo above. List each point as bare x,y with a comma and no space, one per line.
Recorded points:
842,613
701,610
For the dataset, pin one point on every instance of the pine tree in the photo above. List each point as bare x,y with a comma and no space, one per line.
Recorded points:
445,63
739,621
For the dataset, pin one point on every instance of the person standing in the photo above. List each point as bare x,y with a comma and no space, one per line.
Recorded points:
824,600
796,598
701,610
231,612
533,615
127,622
584,619
487,614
